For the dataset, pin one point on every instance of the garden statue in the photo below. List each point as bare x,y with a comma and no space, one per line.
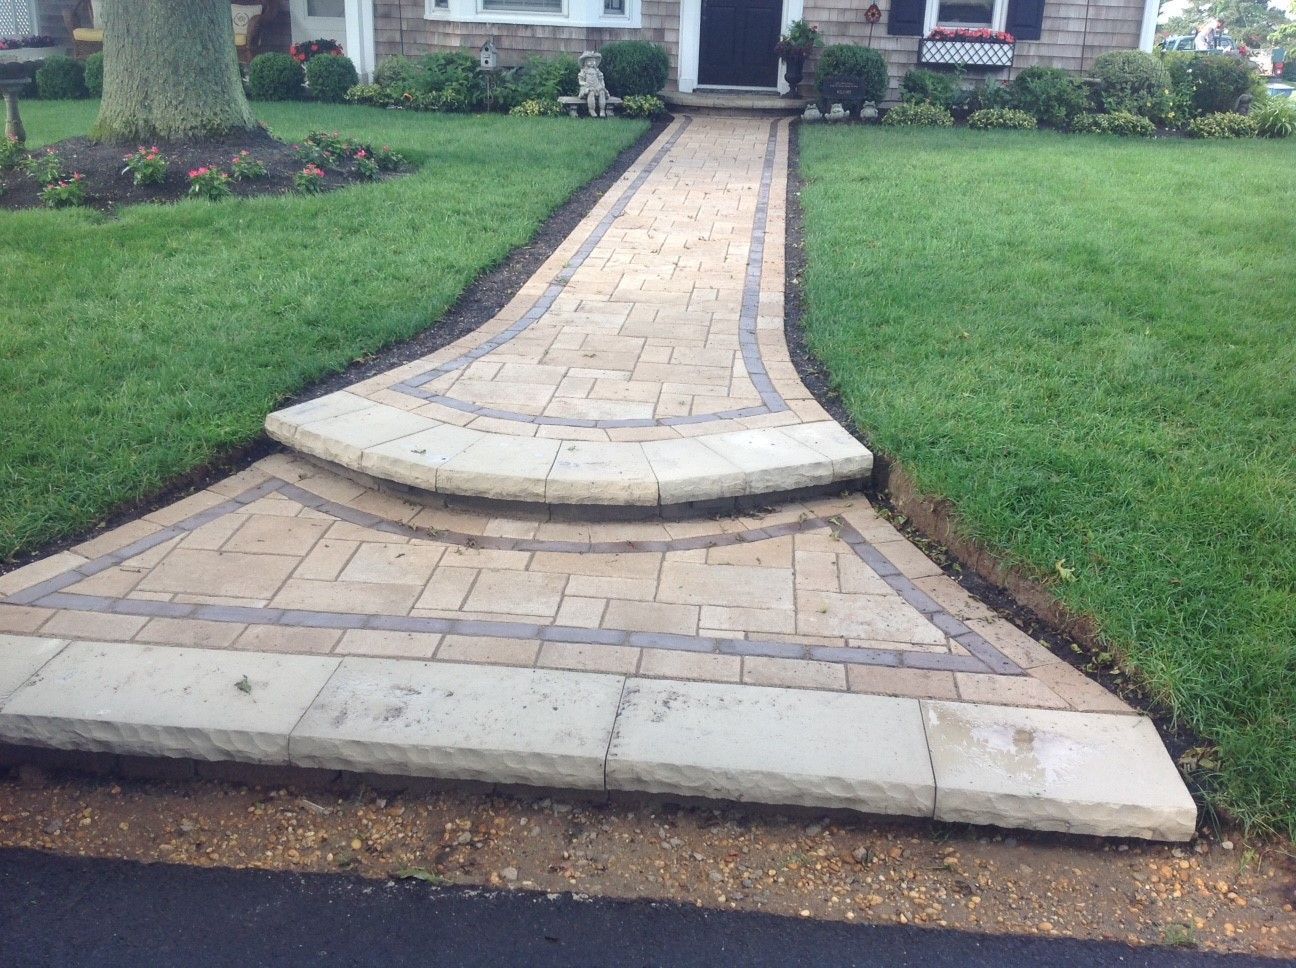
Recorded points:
812,113
592,86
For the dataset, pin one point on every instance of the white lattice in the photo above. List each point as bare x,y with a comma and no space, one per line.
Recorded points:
18,18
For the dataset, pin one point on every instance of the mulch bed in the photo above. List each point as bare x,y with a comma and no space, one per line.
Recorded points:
106,187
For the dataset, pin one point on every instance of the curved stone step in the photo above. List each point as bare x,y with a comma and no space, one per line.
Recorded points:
391,444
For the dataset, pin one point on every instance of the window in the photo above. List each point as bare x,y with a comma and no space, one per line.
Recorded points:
987,14
524,6
557,13
326,8
965,13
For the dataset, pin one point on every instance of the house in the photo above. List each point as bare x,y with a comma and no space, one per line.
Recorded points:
713,44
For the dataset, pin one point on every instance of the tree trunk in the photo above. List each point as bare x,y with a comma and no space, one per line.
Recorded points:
170,71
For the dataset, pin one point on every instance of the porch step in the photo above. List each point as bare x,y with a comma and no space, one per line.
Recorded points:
735,100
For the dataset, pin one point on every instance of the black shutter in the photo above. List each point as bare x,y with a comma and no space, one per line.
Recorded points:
906,18
1025,18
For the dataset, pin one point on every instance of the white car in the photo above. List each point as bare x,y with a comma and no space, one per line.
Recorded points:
1188,42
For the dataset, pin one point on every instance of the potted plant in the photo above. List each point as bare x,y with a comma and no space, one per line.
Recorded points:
794,47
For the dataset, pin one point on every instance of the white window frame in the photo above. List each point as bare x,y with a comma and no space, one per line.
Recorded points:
574,13
998,17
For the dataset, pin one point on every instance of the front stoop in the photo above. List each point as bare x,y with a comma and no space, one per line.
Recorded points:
1076,772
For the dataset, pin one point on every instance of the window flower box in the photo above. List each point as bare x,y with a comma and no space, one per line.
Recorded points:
970,47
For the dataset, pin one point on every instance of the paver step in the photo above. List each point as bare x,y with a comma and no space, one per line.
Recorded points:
390,444
1089,773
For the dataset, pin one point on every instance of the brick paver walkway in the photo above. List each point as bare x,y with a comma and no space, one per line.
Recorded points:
336,615
643,364
289,557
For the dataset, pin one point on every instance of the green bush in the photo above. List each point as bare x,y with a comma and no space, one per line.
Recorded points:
1208,83
927,87
1134,82
643,106
1222,124
1001,118
1121,123
450,82
60,78
397,71
544,79
634,67
536,108
275,77
94,74
371,94
330,77
1275,118
918,114
851,60
1050,94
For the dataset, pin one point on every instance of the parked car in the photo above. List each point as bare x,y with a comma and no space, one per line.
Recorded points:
1279,89
1223,45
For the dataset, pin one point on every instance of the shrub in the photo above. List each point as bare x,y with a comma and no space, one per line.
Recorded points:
366,167
1134,82
60,78
450,81
919,114
1222,124
66,193
11,152
634,67
209,183
44,168
387,159
1275,119
1207,83
927,87
307,50
371,94
146,166
850,60
310,180
397,71
544,79
1052,95
1001,118
329,78
643,106
1121,123
536,108
243,167
94,74
275,77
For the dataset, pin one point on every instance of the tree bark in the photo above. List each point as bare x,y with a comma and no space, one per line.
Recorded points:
170,71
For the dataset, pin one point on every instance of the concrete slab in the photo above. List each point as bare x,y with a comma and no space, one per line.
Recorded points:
767,745
1087,773
165,701
21,656
464,722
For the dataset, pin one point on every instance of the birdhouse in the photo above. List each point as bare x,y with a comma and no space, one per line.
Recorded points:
489,56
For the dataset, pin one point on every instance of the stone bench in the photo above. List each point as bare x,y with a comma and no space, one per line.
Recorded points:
573,105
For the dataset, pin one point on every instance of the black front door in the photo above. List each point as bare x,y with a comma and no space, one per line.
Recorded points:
737,44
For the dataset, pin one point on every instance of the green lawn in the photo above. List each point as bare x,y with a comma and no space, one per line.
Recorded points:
1089,346
136,348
